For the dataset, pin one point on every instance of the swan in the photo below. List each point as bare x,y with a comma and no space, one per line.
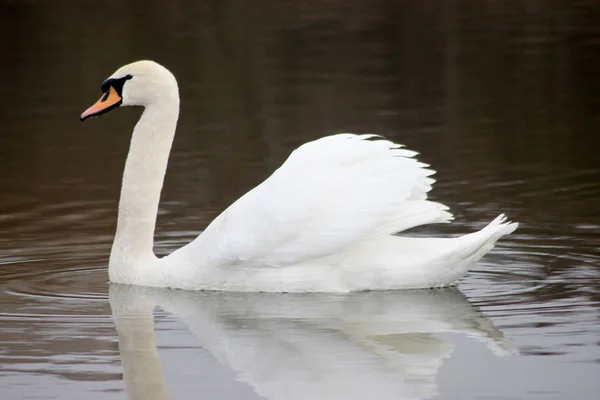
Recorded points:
322,222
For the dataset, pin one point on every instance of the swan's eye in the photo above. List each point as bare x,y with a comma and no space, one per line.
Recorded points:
116,83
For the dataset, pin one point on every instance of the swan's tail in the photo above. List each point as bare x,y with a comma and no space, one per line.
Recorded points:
470,248
393,262
487,237
501,226
466,250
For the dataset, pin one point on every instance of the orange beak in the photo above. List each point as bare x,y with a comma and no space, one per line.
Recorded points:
107,102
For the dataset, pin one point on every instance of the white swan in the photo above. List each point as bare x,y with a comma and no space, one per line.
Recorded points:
322,222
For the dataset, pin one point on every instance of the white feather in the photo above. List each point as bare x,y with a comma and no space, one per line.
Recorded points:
331,194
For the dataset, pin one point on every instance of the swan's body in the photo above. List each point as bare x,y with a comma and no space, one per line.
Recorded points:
322,222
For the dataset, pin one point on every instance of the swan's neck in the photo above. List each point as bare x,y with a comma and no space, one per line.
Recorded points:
140,193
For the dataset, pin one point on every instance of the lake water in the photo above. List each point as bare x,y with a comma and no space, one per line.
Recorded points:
502,99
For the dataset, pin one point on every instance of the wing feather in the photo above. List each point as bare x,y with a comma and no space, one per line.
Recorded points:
330,195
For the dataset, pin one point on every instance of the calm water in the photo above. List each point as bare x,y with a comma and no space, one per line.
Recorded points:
502,98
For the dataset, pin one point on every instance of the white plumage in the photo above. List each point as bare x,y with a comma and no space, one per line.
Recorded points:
322,222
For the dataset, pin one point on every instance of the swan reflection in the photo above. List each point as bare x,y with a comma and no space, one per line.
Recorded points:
306,346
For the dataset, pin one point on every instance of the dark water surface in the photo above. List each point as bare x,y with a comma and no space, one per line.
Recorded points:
502,98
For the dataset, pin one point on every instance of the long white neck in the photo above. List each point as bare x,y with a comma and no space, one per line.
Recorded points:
140,193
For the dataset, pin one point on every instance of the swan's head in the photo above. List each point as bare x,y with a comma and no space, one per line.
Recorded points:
141,83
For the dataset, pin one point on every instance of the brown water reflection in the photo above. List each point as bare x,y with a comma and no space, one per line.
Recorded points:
501,98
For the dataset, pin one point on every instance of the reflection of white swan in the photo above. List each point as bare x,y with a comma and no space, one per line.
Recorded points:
323,222
307,347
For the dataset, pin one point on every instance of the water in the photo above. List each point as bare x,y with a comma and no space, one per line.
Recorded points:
500,98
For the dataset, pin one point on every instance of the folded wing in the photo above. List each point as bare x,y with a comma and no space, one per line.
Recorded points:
330,195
